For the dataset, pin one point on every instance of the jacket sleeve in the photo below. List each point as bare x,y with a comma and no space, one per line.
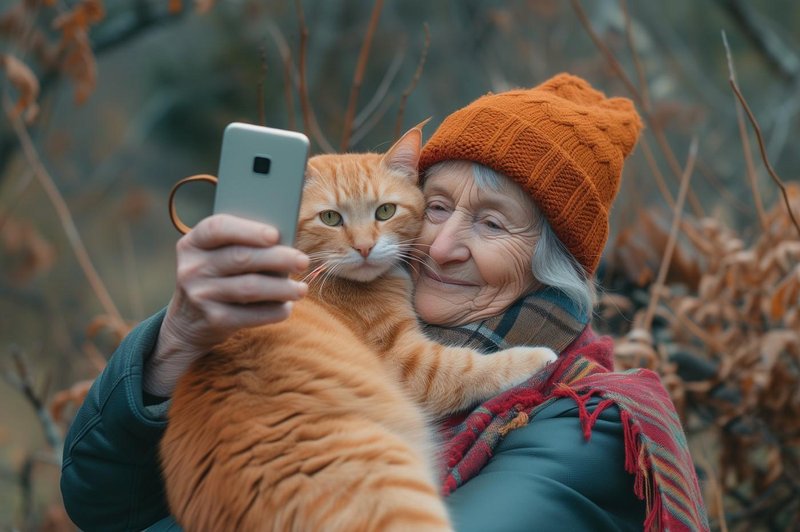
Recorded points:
110,477
546,476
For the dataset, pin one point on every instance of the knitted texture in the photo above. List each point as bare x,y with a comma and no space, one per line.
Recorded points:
562,141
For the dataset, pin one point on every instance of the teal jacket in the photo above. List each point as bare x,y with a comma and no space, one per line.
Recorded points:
544,476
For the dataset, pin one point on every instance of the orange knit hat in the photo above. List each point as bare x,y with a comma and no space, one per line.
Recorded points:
563,141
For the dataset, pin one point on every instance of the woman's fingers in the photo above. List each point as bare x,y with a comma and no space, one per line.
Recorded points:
251,288
235,317
234,260
224,230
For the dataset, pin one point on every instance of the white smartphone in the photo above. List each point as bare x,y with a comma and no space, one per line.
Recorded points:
261,172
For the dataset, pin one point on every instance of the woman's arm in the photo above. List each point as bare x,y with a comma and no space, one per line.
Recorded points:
110,474
110,477
546,476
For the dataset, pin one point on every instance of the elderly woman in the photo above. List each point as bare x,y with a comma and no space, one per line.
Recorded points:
518,188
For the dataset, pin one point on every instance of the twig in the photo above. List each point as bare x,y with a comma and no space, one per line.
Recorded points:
290,75
287,90
779,55
655,127
380,92
660,183
373,121
23,381
358,77
76,243
643,87
309,118
757,129
262,114
748,156
673,235
417,74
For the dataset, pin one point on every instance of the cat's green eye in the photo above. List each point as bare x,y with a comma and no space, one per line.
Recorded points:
385,211
331,218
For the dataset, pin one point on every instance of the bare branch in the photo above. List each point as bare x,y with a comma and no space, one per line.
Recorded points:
309,118
417,74
380,92
262,114
358,77
660,182
757,129
748,157
673,236
643,86
22,380
76,243
779,55
655,127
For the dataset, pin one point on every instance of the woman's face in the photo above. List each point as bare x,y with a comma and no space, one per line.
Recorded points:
479,243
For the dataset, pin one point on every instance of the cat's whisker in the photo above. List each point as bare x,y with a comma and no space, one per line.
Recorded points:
412,266
313,274
327,274
407,240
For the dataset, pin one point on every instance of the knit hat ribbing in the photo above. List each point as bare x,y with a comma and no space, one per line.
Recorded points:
562,141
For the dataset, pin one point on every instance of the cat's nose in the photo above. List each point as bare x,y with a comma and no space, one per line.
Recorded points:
364,250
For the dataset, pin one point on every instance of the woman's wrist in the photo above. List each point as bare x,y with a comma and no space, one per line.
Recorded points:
163,369
170,359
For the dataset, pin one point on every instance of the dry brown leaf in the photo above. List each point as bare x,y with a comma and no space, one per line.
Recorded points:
74,395
27,254
175,6
106,323
204,6
776,342
79,19
12,21
79,65
785,296
24,81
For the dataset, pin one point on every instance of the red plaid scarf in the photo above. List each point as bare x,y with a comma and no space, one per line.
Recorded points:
656,452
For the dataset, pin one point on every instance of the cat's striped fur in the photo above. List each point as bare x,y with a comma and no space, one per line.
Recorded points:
319,423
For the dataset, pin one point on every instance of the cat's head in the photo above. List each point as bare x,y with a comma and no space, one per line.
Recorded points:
361,213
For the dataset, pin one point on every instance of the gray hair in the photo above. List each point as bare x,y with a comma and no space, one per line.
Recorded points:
552,264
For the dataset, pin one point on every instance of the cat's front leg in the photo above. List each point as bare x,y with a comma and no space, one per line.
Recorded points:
488,375
444,380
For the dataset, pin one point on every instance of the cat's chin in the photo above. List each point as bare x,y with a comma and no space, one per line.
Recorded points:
364,273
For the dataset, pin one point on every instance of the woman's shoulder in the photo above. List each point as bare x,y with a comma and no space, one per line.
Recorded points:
552,471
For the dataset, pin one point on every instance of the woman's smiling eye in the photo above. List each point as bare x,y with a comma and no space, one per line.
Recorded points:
492,225
436,212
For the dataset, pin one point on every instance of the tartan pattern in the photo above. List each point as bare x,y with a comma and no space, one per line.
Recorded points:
656,452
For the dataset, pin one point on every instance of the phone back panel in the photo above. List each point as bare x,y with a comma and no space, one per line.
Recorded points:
261,174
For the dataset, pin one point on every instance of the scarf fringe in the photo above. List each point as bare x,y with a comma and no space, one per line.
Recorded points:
636,462
587,420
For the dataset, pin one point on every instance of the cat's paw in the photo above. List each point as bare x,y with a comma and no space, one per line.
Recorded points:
527,360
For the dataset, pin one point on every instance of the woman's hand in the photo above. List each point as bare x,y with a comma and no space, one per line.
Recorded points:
230,275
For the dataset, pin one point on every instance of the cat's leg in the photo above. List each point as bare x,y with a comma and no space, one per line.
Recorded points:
447,379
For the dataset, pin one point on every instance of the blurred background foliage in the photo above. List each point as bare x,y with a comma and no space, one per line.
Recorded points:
134,94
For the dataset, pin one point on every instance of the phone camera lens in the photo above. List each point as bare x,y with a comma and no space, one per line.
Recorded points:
261,165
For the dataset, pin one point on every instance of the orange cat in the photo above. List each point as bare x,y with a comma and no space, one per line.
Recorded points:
319,422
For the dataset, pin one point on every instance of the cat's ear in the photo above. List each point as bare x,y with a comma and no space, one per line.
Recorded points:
403,156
